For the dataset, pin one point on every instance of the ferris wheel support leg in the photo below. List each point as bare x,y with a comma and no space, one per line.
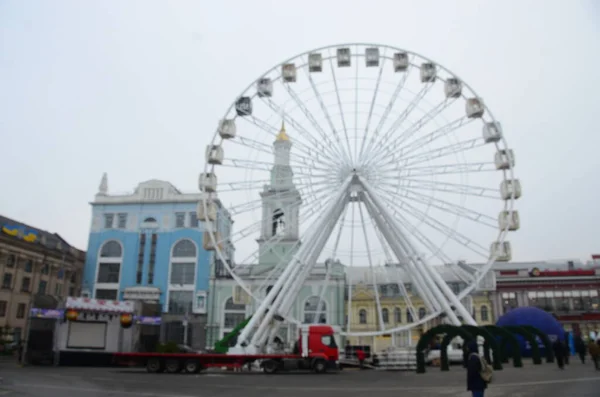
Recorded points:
428,273
263,314
434,276
419,278
297,283
293,286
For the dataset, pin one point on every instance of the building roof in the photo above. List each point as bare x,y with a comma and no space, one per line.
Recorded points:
48,240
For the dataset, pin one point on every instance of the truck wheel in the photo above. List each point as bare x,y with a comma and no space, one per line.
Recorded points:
270,366
154,366
320,366
192,367
173,366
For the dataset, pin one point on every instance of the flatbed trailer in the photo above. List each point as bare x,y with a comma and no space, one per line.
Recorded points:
194,363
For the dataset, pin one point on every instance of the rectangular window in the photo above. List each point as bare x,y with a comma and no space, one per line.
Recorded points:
2,308
152,261
46,269
60,274
71,291
109,272
193,219
7,281
107,294
58,290
180,219
109,221
25,284
29,266
140,264
180,302
21,310
11,261
232,320
42,287
122,221
182,273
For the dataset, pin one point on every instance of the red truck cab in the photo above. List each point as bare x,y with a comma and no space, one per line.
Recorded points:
320,342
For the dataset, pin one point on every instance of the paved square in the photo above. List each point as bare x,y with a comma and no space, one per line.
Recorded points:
531,381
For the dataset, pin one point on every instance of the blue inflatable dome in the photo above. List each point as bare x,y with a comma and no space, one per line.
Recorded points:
535,317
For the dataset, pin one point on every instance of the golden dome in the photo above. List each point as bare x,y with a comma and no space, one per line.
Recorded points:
282,136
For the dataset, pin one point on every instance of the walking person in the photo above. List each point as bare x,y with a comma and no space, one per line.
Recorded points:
594,350
360,355
477,371
580,347
559,353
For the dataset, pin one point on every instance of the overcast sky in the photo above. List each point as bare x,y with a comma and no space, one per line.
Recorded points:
134,88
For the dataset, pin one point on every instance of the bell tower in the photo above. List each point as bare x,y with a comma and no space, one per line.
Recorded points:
280,207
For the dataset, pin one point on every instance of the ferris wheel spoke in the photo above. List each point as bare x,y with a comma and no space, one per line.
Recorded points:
257,204
339,101
372,106
318,145
337,151
444,206
455,188
417,234
272,131
373,276
441,152
402,117
444,169
394,156
265,166
227,186
465,241
407,134
388,108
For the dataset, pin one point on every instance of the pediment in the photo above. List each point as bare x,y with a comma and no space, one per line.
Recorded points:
361,293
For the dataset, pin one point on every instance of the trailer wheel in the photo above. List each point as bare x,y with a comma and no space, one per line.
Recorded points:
319,366
192,367
154,366
173,366
270,366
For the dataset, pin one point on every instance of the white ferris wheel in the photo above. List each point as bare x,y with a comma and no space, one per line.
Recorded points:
369,155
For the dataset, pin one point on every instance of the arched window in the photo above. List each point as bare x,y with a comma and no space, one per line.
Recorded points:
184,249
385,315
362,316
111,249
397,315
409,317
182,277
108,276
278,222
475,314
233,314
484,313
422,313
311,308
150,220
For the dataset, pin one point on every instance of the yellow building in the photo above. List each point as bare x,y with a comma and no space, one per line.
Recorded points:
363,316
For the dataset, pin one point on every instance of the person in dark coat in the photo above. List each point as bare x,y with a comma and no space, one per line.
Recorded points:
475,383
580,347
559,353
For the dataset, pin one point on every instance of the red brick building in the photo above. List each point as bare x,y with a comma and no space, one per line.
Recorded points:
568,289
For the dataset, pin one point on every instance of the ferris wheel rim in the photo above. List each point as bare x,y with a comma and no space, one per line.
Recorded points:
507,174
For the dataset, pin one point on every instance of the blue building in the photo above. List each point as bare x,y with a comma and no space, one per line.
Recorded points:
147,246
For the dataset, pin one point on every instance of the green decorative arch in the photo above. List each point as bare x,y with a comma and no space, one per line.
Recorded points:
432,333
490,340
507,338
535,350
445,362
545,340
